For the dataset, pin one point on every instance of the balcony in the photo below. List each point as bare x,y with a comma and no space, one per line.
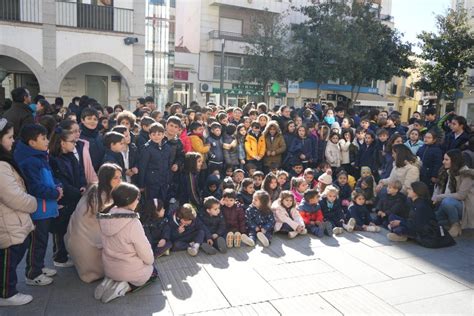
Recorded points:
94,17
234,42
239,37
260,5
28,11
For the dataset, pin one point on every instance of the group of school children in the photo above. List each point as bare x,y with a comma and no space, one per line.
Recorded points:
212,178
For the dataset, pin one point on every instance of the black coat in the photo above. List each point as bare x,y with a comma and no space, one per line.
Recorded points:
367,156
96,146
332,214
431,157
154,165
456,143
156,229
189,231
421,214
214,224
394,204
19,115
70,173
142,139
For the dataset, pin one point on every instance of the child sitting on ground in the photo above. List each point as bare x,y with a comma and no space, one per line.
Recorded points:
358,210
283,180
366,185
126,254
234,216
333,213
156,228
310,211
215,225
393,203
260,220
186,230
345,190
247,189
309,177
298,188
287,218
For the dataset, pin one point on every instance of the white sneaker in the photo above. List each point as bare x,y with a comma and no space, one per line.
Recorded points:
16,300
193,249
248,241
372,229
66,264
351,224
263,239
304,232
292,234
337,230
40,280
102,287
117,290
49,272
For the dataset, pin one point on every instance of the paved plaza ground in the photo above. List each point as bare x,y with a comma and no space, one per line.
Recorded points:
361,273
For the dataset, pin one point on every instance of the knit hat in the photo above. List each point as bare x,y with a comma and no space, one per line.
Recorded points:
364,169
325,179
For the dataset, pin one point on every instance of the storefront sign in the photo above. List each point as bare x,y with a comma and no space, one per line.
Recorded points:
181,75
293,87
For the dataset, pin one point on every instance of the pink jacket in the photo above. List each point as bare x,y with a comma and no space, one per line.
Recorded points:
281,216
89,171
126,252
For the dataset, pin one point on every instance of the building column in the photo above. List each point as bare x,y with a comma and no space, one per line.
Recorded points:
50,86
137,87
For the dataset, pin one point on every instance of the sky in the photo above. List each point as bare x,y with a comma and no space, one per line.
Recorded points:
413,16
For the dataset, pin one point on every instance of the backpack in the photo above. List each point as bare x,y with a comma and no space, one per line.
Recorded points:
433,235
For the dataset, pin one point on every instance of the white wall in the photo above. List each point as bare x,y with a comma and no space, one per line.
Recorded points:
69,44
74,84
26,39
188,24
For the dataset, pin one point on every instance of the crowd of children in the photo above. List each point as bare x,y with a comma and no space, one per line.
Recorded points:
130,187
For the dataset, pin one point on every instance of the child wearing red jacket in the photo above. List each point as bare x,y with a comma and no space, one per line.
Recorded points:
311,213
183,136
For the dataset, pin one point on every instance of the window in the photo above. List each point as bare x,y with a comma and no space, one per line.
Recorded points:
232,67
394,88
470,113
227,25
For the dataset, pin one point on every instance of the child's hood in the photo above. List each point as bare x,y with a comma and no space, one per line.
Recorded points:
113,222
23,152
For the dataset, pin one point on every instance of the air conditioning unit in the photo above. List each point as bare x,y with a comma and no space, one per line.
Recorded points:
205,87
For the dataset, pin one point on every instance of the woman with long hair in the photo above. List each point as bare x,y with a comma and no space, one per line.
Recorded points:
83,233
16,205
406,168
454,194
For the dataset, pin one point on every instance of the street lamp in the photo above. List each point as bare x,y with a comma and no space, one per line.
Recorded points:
221,99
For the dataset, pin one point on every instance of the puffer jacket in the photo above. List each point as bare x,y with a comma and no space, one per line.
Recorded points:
154,166
39,180
255,219
126,253
291,217
310,213
254,145
333,154
15,207
406,175
431,157
345,151
276,144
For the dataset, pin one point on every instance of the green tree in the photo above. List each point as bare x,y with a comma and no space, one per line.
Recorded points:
266,57
349,43
448,54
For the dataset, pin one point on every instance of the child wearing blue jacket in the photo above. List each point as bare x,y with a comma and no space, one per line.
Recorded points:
31,155
260,219
304,147
431,157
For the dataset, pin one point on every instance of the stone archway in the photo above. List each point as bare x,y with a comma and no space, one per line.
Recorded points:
84,58
26,59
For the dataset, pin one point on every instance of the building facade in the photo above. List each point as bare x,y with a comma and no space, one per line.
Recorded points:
68,48
465,101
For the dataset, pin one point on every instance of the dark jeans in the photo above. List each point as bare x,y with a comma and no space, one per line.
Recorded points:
285,228
401,229
9,260
37,248
59,228
183,244
361,218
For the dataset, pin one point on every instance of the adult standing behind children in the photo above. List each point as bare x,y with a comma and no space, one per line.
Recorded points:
16,205
20,113
83,233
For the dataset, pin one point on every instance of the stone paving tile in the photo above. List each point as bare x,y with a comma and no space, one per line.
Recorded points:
178,260
380,261
245,255
403,250
353,268
446,259
305,305
414,288
252,309
310,284
460,303
191,290
290,254
293,269
242,285
374,239
463,275
358,301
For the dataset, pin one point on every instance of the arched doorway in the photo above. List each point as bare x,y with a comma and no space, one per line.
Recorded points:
98,81
13,74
